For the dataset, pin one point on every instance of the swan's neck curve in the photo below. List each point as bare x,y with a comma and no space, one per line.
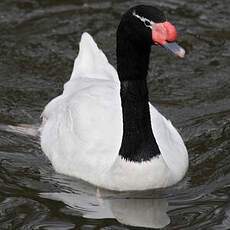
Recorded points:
138,141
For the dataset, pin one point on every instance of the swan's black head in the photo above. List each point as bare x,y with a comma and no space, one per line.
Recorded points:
147,25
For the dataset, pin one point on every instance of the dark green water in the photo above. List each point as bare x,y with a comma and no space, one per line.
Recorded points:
38,43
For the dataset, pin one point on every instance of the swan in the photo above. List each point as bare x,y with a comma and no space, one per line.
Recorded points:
102,128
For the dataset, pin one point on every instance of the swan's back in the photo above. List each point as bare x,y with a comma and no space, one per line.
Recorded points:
83,126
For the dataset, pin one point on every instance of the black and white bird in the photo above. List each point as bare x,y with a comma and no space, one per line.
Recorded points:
102,128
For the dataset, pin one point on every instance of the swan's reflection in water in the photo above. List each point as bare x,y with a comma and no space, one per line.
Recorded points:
149,213
138,212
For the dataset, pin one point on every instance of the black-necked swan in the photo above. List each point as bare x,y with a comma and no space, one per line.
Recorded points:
102,128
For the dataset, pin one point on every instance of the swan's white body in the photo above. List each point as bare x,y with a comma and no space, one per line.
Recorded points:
82,131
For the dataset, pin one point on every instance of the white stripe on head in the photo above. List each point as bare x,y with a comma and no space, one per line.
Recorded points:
148,23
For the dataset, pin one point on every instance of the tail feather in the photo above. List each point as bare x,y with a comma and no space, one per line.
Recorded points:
91,62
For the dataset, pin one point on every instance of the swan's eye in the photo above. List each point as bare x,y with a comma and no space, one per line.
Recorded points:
147,23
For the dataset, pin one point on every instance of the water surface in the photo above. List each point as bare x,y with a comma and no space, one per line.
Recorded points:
38,43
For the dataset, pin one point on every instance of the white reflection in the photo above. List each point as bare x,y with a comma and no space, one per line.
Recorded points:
149,213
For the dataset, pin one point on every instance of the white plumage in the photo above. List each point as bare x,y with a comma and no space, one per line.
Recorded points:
82,131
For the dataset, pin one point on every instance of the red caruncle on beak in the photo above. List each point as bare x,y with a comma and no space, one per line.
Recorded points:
163,33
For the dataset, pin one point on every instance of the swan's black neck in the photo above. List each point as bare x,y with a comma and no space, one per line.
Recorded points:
138,142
